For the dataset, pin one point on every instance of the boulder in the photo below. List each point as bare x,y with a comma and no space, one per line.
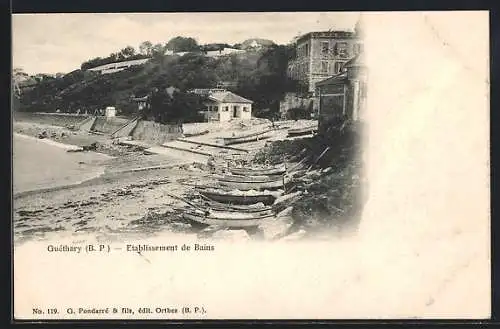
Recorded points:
295,236
277,228
231,235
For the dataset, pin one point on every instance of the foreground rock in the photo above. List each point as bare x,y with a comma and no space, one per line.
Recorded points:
295,236
231,235
279,227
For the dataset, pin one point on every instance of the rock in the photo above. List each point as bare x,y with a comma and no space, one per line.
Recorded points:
277,228
295,236
178,226
232,235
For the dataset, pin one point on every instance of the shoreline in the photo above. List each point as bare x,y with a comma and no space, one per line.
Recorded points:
49,142
56,187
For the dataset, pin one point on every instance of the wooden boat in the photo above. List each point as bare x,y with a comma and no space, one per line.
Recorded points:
245,186
233,213
240,197
250,179
302,131
269,171
199,217
247,138
256,207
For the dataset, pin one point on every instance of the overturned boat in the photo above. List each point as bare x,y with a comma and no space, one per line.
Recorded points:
226,221
247,138
256,171
240,197
302,131
249,185
253,178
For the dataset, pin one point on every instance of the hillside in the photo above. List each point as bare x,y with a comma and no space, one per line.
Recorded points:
259,75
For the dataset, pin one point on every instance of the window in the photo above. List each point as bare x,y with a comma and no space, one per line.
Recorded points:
306,47
325,47
245,109
341,50
324,67
225,108
215,108
338,67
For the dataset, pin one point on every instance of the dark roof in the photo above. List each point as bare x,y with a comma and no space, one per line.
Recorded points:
228,97
336,79
328,34
140,99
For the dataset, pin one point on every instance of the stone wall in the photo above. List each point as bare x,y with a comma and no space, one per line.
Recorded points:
292,100
155,133
108,125
53,119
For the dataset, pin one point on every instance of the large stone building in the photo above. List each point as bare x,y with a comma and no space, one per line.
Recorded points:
320,55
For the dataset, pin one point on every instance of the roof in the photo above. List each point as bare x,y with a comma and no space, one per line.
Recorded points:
338,78
328,34
140,99
228,97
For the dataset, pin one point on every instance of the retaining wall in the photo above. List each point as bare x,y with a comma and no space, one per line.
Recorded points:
199,127
155,133
108,125
53,119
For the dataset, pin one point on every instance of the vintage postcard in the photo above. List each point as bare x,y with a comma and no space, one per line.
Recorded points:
281,165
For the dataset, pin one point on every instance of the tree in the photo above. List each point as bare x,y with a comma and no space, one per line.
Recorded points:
181,44
128,51
158,50
146,48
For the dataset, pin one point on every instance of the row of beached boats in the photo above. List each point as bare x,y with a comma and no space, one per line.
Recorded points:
243,197
267,133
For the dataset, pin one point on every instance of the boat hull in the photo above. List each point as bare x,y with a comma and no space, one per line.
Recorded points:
245,186
266,199
251,179
248,138
222,222
251,208
302,131
257,172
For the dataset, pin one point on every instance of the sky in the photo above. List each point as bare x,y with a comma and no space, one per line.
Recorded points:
52,43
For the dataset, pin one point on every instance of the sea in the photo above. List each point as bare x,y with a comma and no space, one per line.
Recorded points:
43,164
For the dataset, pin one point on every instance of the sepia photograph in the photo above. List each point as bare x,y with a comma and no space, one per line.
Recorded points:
250,165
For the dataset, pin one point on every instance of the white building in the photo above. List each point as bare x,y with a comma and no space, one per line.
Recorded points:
225,106
110,111
223,52
118,66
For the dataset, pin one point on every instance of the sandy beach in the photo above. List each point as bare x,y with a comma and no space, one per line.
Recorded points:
62,192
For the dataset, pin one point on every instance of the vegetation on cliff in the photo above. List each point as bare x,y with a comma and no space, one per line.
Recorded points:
256,74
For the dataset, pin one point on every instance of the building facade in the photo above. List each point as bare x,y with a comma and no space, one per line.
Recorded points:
320,55
224,106
343,96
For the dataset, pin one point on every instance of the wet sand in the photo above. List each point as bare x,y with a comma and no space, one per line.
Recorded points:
38,164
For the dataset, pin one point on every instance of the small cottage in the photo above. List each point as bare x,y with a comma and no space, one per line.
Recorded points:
224,106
